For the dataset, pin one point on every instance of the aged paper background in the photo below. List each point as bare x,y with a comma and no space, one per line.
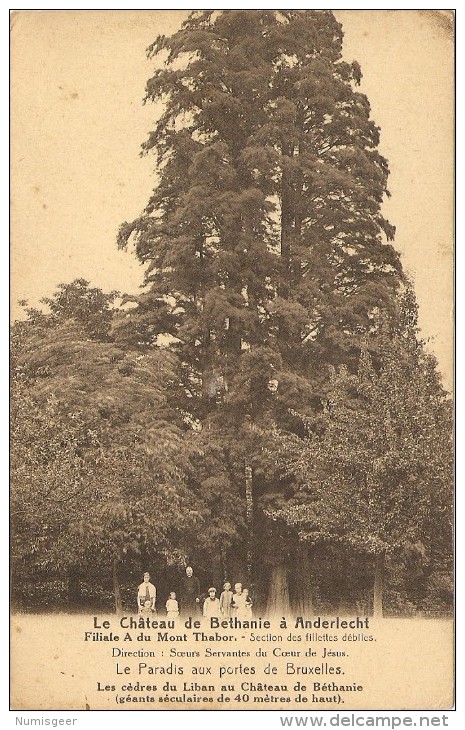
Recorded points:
77,83
409,666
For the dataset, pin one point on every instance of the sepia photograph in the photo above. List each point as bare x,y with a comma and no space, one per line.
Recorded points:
231,353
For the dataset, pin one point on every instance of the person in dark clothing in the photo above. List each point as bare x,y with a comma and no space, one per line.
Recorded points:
190,593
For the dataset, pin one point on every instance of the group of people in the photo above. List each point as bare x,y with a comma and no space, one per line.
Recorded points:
229,604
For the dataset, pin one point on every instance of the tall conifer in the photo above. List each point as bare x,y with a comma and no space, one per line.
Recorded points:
268,257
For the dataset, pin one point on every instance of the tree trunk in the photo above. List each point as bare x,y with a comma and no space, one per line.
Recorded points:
74,588
305,588
11,579
278,594
378,585
224,564
249,519
217,574
298,204
116,590
344,608
286,220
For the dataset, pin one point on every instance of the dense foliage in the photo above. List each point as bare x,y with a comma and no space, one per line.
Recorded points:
264,406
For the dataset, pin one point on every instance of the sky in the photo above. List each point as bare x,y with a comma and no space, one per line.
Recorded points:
78,122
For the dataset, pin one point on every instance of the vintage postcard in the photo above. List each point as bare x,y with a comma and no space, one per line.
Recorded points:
232,360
